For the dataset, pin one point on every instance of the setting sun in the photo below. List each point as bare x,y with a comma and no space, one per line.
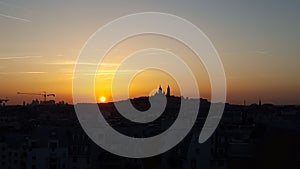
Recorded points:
102,99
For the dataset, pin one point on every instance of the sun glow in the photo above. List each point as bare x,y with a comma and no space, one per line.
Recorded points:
102,99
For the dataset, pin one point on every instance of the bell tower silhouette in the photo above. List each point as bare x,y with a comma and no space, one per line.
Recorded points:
168,91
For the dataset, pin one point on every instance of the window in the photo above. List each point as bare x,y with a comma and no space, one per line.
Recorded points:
221,163
23,164
193,164
52,166
33,143
53,133
53,145
74,159
24,154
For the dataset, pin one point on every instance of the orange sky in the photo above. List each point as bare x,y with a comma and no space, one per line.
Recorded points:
258,43
148,80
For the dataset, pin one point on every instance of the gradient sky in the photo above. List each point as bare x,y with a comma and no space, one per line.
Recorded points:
258,42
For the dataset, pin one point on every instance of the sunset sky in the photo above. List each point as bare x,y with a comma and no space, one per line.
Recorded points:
258,43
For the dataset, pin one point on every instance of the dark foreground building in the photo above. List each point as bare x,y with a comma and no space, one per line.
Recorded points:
50,137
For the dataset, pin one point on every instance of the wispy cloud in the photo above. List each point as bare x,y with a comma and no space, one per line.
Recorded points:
156,52
110,64
260,52
15,18
6,73
104,72
70,63
112,71
19,57
33,72
82,63
255,52
60,63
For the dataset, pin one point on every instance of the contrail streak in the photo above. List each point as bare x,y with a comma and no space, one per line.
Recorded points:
16,18
19,57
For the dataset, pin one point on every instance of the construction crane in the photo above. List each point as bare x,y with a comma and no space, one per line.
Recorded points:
45,95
